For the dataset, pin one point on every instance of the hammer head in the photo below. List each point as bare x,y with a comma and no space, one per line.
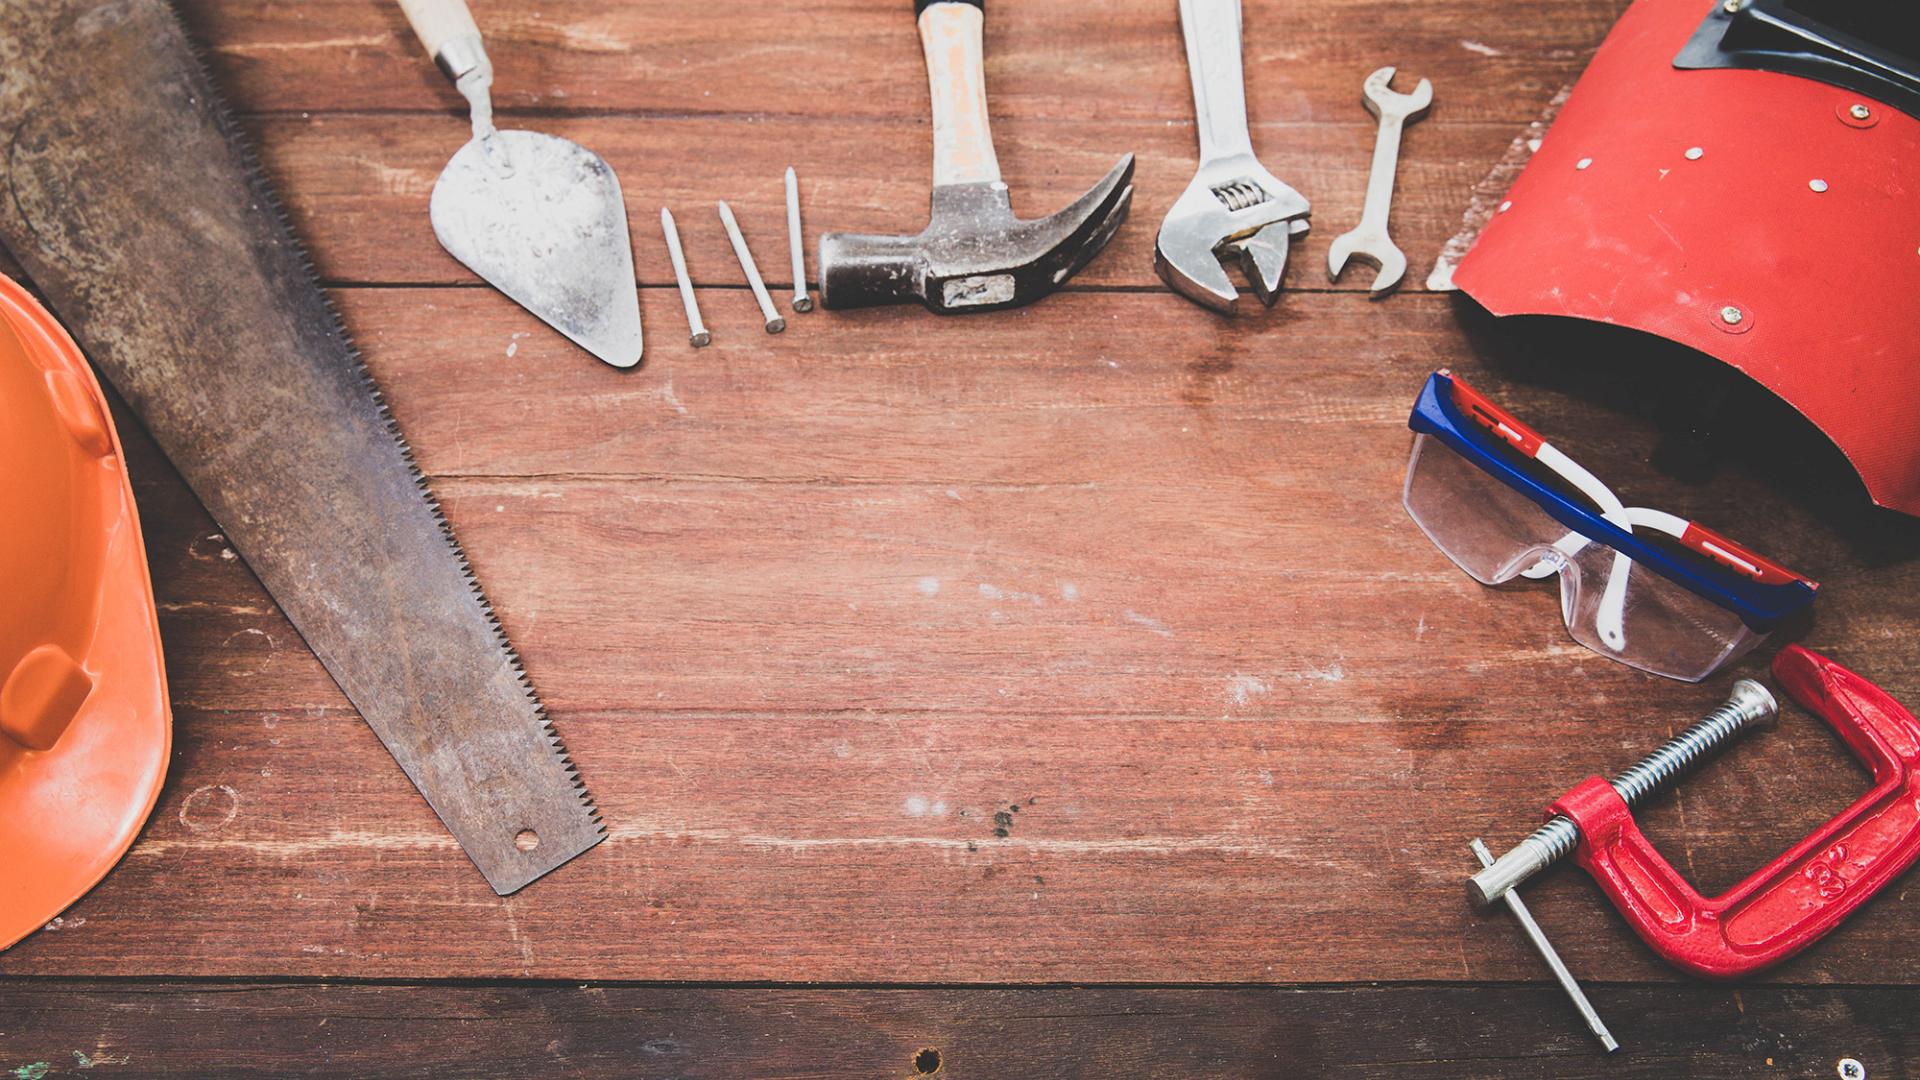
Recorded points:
974,255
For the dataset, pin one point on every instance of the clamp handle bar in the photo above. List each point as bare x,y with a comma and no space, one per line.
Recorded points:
1807,891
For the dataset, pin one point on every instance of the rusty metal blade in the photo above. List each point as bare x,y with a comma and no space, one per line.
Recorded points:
133,203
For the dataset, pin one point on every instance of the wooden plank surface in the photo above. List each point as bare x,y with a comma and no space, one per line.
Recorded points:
210,1031
1082,643
1119,60
810,622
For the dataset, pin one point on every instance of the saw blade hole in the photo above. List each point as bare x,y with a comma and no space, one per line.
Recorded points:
526,839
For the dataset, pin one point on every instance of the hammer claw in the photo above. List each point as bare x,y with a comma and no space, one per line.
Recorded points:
974,255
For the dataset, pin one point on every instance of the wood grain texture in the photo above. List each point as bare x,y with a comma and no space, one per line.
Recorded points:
1118,60
165,1029
816,612
812,621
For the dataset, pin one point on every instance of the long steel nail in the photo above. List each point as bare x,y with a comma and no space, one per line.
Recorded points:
801,301
1547,952
697,331
775,323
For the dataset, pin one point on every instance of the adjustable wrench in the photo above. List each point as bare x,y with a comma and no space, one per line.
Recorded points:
1233,206
1369,239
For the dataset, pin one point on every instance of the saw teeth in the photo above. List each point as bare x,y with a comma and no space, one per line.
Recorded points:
264,192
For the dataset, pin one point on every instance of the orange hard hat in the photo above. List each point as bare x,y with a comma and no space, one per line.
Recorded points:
84,724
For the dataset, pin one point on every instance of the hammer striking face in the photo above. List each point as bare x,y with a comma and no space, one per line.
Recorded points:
974,254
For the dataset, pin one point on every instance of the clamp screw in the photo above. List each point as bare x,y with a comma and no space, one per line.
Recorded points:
1732,316
1859,112
1749,703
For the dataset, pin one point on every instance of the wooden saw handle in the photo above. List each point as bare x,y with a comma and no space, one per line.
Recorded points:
951,34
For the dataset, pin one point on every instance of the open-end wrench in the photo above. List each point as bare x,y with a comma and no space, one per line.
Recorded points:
1233,207
1369,239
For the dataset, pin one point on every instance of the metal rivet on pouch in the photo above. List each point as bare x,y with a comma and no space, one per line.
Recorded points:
1859,111
1694,153
1506,206
1583,163
1732,316
1817,185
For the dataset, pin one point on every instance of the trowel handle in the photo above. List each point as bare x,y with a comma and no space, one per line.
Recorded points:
449,33
950,31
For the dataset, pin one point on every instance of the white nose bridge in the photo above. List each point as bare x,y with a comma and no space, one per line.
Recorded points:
1610,616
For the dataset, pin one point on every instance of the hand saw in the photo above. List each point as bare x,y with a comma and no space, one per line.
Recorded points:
135,207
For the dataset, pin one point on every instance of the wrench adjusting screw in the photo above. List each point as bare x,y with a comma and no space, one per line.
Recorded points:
1749,704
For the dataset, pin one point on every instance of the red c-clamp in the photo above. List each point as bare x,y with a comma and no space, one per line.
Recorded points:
1798,898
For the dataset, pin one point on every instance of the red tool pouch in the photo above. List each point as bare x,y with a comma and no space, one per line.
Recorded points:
1796,899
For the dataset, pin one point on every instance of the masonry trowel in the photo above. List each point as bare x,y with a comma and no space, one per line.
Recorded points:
539,217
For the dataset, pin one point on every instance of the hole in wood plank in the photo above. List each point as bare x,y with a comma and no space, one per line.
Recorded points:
927,1062
526,839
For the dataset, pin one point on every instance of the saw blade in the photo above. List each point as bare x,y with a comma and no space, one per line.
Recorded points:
136,208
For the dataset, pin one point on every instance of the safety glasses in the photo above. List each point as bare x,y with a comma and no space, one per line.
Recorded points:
1640,586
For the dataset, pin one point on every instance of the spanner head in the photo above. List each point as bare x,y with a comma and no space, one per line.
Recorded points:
1376,249
1369,240
1232,209
1382,100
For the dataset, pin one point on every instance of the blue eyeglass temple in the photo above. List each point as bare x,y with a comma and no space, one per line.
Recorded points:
1761,606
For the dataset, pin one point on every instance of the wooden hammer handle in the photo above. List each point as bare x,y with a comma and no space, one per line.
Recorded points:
950,31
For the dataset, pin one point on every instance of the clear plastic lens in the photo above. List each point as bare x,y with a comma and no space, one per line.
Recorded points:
1660,626
1494,533
1488,529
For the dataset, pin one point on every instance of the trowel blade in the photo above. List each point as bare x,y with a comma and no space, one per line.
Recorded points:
541,219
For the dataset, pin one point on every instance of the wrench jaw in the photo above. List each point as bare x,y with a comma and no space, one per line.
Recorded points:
1263,257
1378,94
1231,210
1382,253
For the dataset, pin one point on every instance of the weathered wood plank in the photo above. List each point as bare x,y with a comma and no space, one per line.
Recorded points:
856,58
74,1028
797,609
